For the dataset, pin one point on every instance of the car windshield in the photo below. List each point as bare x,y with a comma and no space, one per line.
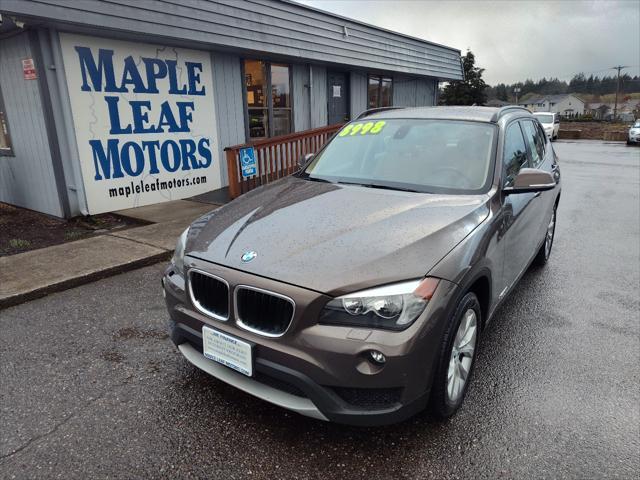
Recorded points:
545,118
434,156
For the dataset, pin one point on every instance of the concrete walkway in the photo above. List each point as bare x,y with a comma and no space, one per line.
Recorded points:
39,272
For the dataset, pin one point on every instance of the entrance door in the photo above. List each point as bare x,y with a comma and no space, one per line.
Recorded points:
337,97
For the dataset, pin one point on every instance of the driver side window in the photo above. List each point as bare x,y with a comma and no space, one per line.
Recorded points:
515,154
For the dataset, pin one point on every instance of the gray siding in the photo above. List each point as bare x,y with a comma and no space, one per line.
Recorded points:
27,179
268,26
412,91
425,92
301,98
318,96
227,85
358,93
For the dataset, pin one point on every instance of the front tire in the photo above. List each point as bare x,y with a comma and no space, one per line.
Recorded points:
456,358
545,250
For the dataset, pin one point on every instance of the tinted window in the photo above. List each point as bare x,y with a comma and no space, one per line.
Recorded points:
267,119
536,142
5,140
440,156
380,91
515,154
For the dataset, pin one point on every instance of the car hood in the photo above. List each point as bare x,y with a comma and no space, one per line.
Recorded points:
335,238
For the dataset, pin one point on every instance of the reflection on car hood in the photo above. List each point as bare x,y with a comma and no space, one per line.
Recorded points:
335,238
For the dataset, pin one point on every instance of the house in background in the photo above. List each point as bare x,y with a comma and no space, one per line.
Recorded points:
627,111
598,110
494,102
566,105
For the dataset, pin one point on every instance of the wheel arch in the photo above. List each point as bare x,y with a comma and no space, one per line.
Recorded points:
480,284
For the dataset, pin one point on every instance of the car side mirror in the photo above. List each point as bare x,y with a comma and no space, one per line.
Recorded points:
557,120
304,160
531,180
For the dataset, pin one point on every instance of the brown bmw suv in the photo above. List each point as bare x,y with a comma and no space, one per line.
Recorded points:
357,289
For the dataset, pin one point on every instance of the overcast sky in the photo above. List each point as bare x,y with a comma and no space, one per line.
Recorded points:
515,40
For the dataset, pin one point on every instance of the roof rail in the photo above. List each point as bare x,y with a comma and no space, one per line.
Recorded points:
371,111
505,110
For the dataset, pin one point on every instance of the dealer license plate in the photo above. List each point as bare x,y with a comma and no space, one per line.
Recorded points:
227,350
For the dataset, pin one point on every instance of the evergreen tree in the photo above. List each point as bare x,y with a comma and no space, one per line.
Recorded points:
470,91
502,93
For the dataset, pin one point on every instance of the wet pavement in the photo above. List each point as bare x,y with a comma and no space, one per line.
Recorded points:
90,386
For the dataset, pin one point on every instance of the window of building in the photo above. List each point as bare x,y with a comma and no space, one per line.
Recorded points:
380,91
267,115
5,140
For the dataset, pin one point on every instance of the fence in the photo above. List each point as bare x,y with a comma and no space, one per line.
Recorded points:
275,157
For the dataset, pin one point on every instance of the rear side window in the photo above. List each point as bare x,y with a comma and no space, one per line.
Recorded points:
515,154
536,142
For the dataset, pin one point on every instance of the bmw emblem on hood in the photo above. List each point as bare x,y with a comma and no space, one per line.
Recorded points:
248,256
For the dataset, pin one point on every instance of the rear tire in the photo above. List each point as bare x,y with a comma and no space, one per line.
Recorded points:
456,358
545,250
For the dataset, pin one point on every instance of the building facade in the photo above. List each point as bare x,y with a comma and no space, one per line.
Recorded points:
111,105
566,105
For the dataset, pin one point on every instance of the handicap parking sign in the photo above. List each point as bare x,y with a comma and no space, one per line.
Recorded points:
248,162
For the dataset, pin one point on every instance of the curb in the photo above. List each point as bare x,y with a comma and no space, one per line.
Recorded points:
77,281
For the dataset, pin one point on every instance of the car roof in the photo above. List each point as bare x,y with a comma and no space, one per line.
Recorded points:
475,114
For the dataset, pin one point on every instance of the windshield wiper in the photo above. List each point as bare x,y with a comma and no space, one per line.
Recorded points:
316,179
382,187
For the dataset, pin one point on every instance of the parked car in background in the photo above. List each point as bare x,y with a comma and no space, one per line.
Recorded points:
550,122
634,133
357,289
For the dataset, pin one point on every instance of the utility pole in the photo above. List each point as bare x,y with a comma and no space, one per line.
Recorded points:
516,91
615,107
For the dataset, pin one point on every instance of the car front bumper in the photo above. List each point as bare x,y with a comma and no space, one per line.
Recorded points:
321,371
633,138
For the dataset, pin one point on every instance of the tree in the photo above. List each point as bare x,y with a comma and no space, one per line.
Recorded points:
469,91
502,93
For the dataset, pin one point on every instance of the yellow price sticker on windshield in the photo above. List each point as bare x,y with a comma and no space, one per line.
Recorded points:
362,128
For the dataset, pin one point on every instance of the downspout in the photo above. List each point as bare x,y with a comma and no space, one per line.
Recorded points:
310,96
78,188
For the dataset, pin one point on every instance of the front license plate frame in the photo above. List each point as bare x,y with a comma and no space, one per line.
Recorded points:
227,350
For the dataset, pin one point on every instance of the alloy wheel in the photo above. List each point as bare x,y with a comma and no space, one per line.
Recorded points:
462,351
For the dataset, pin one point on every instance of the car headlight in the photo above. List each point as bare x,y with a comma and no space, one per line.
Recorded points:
391,307
178,255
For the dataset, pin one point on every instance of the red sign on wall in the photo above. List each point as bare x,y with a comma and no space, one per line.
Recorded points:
29,69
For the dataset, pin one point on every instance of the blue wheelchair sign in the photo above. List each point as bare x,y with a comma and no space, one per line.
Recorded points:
248,162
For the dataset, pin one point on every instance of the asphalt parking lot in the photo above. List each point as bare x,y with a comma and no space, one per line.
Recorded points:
92,387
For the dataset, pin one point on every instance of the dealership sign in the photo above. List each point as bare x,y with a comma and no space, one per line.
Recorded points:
144,121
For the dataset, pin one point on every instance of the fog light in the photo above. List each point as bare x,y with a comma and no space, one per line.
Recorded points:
377,357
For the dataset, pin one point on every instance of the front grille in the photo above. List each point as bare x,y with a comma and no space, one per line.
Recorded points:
369,397
263,312
209,294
